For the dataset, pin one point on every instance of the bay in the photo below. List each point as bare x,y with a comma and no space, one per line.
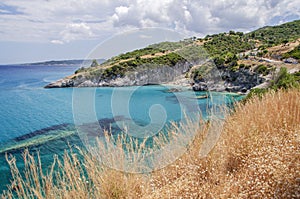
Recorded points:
43,119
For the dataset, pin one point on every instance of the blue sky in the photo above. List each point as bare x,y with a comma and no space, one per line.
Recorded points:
39,30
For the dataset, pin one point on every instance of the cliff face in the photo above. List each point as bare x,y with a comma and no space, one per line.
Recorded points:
145,75
241,80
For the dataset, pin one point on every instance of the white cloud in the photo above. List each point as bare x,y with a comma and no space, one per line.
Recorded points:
57,41
59,21
76,31
207,16
121,10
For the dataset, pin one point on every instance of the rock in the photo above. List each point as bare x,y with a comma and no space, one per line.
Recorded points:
233,89
244,90
88,83
231,81
290,61
201,86
218,79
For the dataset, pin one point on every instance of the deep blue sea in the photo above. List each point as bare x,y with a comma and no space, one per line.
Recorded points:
43,119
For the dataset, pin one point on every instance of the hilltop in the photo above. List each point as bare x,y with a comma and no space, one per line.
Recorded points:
231,61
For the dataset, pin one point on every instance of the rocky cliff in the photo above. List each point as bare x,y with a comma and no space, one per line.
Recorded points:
215,79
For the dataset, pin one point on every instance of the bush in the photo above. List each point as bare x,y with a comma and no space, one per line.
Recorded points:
262,69
295,53
284,80
242,65
256,92
80,70
94,63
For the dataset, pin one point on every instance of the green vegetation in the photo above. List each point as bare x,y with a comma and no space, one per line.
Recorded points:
264,70
94,63
199,73
261,69
232,51
121,68
133,54
256,92
162,47
225,49
193,53
275,35
171,46
283,81
295,53
81,69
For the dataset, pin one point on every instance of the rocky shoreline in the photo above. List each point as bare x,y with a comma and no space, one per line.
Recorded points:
220,80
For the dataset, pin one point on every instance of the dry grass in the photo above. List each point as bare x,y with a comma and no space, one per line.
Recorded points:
257,156
281,49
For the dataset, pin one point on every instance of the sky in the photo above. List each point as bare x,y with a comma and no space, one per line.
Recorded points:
40,30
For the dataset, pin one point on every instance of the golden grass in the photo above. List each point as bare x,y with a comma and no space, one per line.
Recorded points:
257,156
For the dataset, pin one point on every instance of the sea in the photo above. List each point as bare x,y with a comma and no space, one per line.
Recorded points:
46,120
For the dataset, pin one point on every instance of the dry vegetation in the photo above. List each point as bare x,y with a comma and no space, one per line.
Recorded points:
256,156
282,48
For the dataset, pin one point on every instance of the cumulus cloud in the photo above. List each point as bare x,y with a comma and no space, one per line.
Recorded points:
207,16
64,21
76,31
142,13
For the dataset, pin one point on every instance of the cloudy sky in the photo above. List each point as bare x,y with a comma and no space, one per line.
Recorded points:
38,30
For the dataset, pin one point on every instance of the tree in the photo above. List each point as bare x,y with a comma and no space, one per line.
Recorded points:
231,32
94,63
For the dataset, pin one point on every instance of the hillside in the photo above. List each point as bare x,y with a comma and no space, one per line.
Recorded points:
231,61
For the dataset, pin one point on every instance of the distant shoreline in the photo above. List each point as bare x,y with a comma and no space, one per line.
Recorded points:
56,62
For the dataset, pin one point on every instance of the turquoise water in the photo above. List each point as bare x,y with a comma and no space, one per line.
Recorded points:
43,119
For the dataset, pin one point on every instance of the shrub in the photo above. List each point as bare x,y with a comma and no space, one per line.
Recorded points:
262,69
284,80
256,92
80,70
242,65
94,63
295,53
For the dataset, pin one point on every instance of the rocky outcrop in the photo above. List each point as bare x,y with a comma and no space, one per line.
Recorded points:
241,80
144,75
221,79
63,83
